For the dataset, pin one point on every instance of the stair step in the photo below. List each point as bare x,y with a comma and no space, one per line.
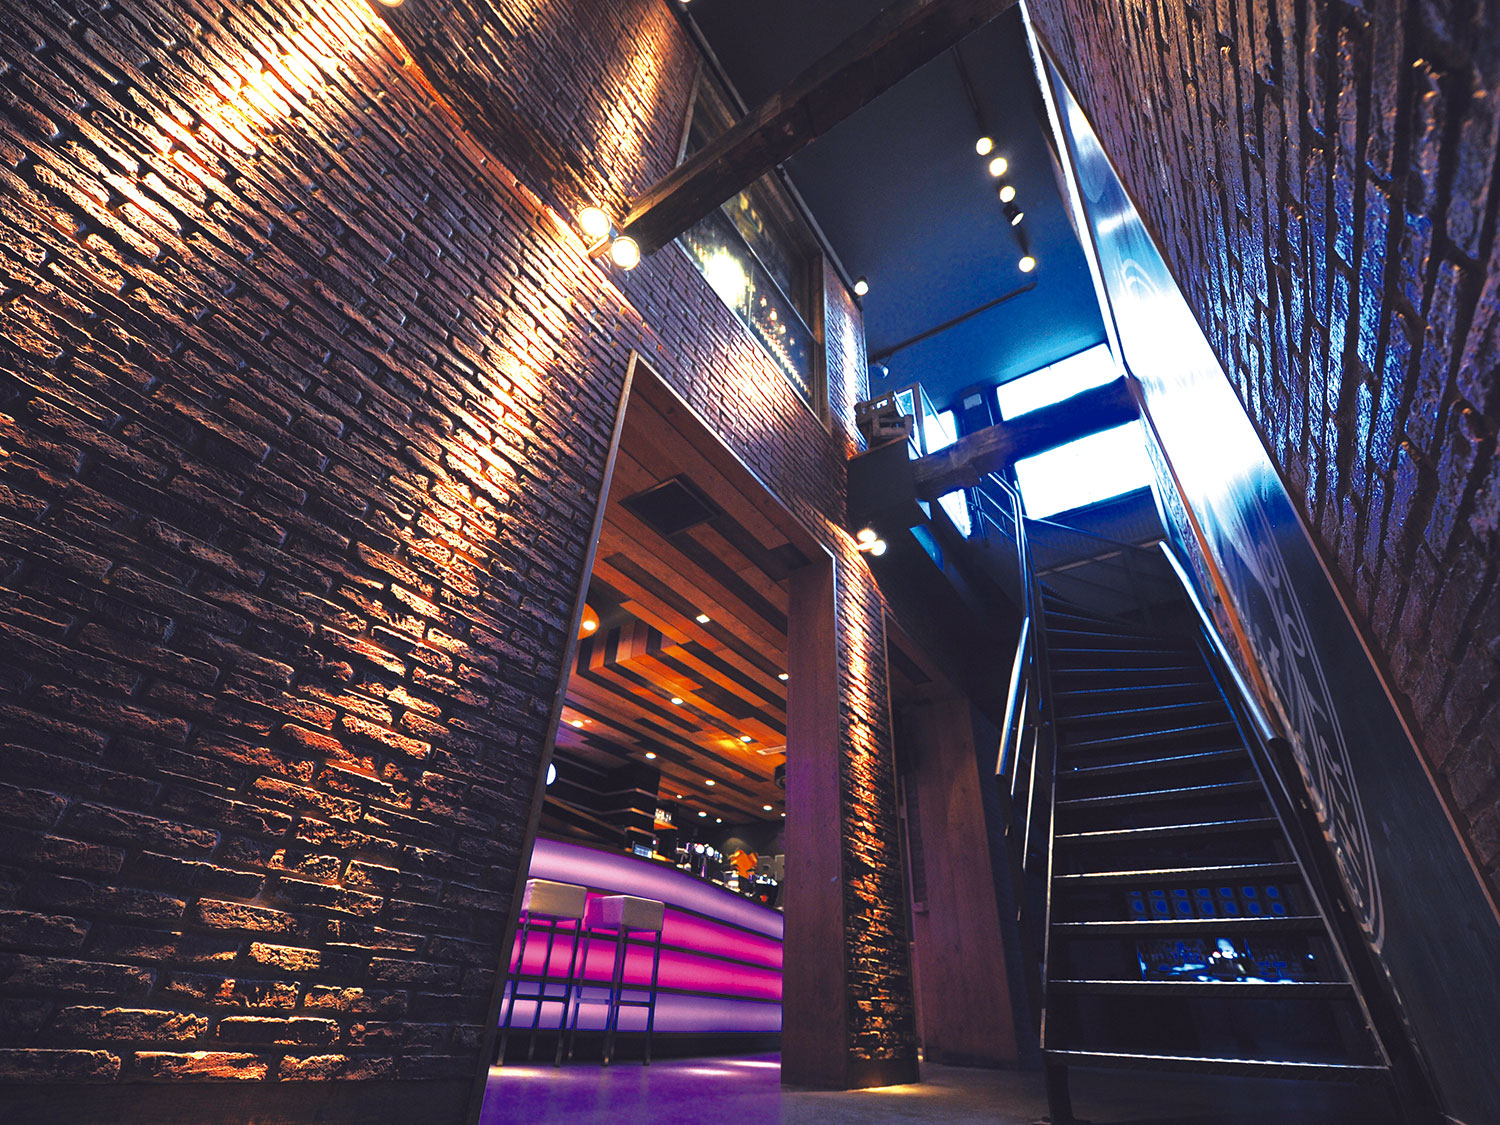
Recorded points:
1168,831
1151,657
1206,758
1202,688
1069,717
1169,734
1087,638
1267,1068
1291,923
1285,989
1221,789
1132,672
1088,623
1231,872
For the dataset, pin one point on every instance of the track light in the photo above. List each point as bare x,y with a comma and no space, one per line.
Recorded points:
595,223
998,166
625,252
984,146
1027,264
598,228
1014,213
1007,193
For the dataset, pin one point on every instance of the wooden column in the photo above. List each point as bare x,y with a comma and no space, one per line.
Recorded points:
815,1020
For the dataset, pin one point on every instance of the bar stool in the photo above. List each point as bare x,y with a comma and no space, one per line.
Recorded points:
546,906
625,915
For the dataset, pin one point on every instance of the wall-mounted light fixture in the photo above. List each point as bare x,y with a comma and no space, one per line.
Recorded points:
861,287
870,543
602,234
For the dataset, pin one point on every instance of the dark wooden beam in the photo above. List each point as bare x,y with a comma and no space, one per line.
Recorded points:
894,44
994,447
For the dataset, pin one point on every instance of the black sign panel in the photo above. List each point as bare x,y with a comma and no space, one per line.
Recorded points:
1404,870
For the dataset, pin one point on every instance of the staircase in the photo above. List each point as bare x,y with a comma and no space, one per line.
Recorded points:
1172,922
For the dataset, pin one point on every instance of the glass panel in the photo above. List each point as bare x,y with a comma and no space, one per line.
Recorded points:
1094,468
742,283
1046,385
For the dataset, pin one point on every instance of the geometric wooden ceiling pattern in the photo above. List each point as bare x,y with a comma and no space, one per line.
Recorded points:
697,614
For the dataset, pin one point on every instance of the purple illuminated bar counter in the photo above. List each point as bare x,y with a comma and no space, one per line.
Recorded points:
720,971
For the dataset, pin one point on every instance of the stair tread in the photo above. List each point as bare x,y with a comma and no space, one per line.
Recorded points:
1210,1062
1139,689
1147,736
1202,758
1186,874
1174,670
1203,827
1129,714
1286,923
1309,990
1219,789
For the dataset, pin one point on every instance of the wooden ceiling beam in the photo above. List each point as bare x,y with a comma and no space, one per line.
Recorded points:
900,40
985,451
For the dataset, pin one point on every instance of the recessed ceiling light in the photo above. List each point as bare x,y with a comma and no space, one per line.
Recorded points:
650,755
701,619
998,166
679,796
783,814
677,699
766,807
861,287
984,146
1027,264
746,738
718,820
702,813
783,677
709,781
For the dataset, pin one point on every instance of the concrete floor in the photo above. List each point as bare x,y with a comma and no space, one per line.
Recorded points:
748,1091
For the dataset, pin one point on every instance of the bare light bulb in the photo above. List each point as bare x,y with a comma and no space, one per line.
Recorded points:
625,252
1027,264
998,166
595,223
984,146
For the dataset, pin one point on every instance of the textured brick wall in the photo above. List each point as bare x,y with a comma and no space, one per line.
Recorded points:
1320,176
304,398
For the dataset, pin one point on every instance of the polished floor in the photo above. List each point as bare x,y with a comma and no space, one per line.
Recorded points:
748,1091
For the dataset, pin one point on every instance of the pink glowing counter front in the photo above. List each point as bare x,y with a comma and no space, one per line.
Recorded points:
720,970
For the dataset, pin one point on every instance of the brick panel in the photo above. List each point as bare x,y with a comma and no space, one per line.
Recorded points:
1319,177
305,392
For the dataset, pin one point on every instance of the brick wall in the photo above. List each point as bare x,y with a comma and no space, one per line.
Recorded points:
1319,177
305,392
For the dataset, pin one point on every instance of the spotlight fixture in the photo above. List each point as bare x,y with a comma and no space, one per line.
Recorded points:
867,535
595,223
861,287
1007,192
701,619
1014,213
870,543
998,166
625,253
877,548
984,146
1027,264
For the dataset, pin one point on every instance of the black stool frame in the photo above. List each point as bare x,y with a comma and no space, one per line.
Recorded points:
553,927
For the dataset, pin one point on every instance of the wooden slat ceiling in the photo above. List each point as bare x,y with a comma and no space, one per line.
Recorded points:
730,726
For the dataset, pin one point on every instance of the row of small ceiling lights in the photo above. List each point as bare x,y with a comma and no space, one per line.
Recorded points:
1006,191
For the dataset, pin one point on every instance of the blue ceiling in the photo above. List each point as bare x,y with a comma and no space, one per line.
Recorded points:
906,202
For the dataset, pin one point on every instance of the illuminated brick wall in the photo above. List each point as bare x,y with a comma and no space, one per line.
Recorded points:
1320,177
305,392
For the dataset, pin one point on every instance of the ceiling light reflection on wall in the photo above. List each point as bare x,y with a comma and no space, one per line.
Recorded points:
984,146
999,166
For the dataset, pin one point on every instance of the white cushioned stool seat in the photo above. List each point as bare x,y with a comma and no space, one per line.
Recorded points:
626,911
560,900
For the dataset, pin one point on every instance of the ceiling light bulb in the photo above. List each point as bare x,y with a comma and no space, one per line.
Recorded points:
702,813
867,535
701,619
1007,192
594,221
878,547
709,781
767,808
1015,220
1027,264
783,814
677,700
625,252
746,738
998,166
984,146
783,677
650,755
861,287
718,820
